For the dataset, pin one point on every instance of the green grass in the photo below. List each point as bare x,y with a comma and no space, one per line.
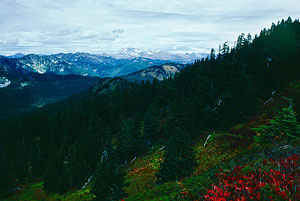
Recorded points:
34,192
141,173
221,147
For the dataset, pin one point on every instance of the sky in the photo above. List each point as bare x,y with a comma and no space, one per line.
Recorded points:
106,26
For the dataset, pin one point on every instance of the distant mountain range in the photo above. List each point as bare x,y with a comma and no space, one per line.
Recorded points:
22,91
84,64
129,53
101,65
31,81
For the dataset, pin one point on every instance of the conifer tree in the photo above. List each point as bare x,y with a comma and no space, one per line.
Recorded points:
6,176
284,125
109,180
151,125
55,178
179,159
212,54
130,143
76,167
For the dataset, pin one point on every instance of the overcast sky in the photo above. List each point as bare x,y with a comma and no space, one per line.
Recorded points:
98,26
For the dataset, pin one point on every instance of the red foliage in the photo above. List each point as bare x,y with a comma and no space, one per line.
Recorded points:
283,183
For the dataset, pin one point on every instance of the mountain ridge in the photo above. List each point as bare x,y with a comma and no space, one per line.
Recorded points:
159,72
101,65
21,90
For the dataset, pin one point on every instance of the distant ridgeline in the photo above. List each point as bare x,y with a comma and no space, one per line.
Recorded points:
63,146
94,64
21,91
37,80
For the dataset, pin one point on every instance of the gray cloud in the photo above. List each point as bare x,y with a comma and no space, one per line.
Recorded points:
108,36
10,43
51,26
120,31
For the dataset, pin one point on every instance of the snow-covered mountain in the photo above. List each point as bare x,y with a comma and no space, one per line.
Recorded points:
129,53
124,62
85,64
11,68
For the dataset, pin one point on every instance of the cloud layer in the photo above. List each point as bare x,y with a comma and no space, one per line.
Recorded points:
97,26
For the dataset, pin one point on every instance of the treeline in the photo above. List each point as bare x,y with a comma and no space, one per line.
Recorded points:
65,147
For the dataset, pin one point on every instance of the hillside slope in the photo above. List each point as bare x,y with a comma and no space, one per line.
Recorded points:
154,72
232,153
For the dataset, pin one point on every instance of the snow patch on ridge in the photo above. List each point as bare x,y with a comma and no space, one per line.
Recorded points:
4,82
41,71
24,84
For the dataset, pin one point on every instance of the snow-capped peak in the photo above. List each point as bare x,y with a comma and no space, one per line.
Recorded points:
130,53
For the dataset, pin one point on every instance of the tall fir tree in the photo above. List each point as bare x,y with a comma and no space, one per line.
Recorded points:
151,126
130,143
55,178
284,125
179,160
6,176
109,180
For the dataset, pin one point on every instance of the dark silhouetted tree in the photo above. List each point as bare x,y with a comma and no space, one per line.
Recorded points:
179,160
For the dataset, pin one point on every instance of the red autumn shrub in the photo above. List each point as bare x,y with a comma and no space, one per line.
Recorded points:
279,183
